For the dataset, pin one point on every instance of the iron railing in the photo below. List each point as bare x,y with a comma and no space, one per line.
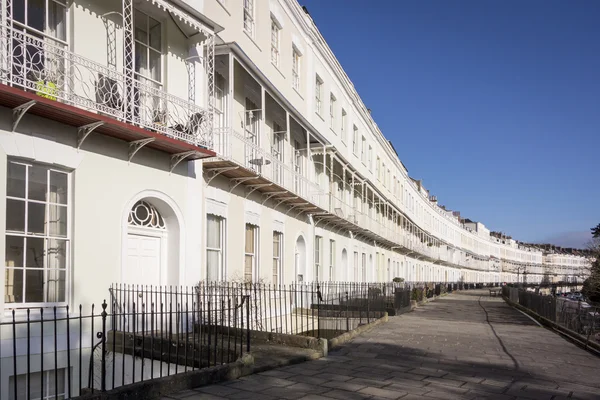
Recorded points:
67,353
577,316
47,68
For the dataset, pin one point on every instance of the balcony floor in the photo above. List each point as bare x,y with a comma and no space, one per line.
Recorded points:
13,97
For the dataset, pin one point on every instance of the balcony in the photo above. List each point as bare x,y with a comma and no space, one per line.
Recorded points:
243,161
42,77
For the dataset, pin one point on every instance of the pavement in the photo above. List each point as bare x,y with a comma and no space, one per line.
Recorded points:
462,346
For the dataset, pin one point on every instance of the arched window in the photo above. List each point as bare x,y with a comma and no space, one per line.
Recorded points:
144,214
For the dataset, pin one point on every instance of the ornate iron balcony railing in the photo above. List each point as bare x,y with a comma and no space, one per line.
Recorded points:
47,68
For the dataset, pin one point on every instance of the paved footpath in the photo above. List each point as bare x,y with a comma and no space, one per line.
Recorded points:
463,346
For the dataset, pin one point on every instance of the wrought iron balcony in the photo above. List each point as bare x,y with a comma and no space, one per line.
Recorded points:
46,68
243,161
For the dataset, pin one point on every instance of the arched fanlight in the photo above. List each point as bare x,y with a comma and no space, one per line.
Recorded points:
146,215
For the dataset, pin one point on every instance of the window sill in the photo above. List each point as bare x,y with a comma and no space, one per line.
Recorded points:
252,40
298,92
21,312
222,4
333,130
319,115
277,68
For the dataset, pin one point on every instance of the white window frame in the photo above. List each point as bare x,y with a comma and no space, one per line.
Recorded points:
318,256
355,140
221,273
275,41
277,273
318,95
370,157
254,254
45,236
332,101
148,48
249,17
296,59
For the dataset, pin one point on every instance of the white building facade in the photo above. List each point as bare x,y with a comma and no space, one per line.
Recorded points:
158,142
166,143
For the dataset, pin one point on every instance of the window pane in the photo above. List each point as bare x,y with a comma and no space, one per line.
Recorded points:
36,214
13,285
14,252
155,66
36,12
249,239
55,287
15,215
15,185
141,27
248,263
35,253
38,183
57,20
19,11
57,221
213,232
58,187
155,34
34,286
57,253
212,262
141,59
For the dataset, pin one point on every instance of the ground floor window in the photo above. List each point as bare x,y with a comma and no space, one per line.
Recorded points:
318,262
277,257
37,234
215,235
331,260
47,385
250,253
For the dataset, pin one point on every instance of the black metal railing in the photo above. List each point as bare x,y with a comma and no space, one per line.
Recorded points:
65,353
577,316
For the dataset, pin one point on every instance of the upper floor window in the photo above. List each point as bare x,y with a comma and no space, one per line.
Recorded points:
355,140
37,234
378,168
275,28
370,157
47,17
343,126
318,95
249,17
332,101
148,47
363,150
295,68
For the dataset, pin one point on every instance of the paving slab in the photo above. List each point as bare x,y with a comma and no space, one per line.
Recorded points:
462,346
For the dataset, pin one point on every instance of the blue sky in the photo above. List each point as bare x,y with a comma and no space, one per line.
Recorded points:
494,104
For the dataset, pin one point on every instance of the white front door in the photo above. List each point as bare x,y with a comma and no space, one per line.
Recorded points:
143,260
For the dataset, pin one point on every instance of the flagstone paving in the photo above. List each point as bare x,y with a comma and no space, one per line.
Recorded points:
463,346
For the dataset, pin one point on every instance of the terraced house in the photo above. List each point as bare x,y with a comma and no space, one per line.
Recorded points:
168,142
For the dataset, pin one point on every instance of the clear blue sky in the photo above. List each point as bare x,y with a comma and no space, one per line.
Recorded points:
494,104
